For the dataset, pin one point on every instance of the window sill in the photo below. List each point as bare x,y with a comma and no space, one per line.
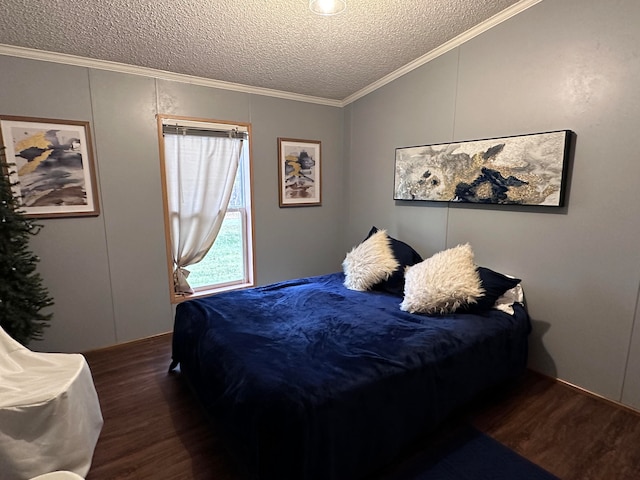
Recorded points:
207,292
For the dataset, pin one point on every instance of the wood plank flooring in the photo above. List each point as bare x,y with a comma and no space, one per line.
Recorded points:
154,429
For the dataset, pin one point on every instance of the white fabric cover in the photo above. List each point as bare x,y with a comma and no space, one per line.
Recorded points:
50,416
60,475
511,296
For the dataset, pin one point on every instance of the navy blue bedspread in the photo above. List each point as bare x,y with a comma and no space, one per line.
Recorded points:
310,380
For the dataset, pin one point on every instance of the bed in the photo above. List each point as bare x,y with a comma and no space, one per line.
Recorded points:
308,379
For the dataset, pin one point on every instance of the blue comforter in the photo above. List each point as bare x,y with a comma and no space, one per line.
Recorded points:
310,380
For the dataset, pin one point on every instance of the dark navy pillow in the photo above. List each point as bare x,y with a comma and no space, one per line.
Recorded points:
495,285
406,256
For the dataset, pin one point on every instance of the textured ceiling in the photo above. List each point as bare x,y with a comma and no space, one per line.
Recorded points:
274,44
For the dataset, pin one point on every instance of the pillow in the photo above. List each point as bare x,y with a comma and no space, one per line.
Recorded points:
495,285
406,256
442,283
370,262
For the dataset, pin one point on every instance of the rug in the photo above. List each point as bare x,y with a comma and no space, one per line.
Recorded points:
470,455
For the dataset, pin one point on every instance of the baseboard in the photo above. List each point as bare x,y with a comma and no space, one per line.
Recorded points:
128,342
589,393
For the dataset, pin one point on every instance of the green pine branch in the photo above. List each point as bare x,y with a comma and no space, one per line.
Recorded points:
22,294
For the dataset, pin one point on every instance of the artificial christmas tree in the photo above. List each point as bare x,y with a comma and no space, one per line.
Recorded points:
22,295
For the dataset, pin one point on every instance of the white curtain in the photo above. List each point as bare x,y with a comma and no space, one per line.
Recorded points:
200,174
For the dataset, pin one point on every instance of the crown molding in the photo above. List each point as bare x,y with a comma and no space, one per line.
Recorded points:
74,60
77,61
504,15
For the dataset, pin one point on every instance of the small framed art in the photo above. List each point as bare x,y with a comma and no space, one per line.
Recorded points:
299,167
51,163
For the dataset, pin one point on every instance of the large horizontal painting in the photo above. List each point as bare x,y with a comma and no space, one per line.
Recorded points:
519,170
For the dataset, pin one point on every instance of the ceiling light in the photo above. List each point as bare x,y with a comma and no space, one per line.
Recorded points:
327,7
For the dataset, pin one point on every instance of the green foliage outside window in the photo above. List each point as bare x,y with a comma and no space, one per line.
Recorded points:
224,263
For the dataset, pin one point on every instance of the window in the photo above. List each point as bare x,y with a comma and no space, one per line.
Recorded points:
225,263
206,169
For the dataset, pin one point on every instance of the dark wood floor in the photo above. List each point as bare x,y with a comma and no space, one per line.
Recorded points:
153,428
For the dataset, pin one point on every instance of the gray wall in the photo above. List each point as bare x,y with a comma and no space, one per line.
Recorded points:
562,64
108,274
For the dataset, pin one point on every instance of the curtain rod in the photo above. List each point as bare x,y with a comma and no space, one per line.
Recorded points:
204,132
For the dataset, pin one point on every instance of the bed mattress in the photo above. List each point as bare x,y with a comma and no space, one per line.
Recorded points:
308,380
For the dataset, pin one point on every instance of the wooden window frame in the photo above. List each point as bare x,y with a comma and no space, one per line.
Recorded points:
247,216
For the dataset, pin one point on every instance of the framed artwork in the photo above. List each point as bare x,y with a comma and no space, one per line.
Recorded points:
299,178
520,170
51,163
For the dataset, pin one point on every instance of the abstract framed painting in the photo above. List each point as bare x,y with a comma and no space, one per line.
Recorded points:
299,172
51,165
518,170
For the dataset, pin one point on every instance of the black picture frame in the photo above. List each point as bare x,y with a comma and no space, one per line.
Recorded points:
526,169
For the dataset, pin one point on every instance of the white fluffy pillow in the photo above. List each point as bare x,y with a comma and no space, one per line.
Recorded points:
442,283
370,262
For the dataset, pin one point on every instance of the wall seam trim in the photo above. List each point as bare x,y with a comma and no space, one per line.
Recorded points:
104,216
630,344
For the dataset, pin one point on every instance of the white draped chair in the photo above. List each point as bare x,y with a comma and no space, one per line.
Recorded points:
50,416
59,475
